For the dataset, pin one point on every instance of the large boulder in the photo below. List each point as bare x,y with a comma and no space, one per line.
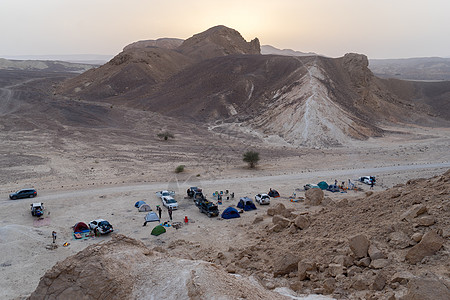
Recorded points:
314,197
277,209
359,244
430,243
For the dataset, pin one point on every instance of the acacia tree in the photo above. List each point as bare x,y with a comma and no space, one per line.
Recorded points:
251,157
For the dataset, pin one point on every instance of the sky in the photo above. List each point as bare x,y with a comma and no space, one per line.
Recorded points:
376,28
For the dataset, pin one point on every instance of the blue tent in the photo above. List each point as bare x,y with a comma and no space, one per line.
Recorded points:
246,204
230,213
139,203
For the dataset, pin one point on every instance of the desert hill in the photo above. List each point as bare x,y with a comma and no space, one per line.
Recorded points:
217,78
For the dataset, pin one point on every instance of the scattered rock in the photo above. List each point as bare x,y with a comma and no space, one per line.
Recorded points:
417,237
375,253
276,228
335,269
413,212
402,277
258,219
359,245
329,286
280,220
427,288
363,262
379,282
425,221
344,260
285,264
399,240
379,263
302,222
430,243
359,283
304,267
314,197
277,209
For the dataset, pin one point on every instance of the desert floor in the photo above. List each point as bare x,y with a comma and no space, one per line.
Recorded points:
95,183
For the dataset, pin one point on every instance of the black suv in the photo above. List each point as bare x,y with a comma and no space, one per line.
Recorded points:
25,193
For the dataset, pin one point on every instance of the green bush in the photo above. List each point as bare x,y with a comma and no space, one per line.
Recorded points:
251,157
179,169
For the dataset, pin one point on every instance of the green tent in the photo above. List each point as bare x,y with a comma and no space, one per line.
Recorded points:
158,230
323,185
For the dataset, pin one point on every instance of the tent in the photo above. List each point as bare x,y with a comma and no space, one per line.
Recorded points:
246,204
151,217
230,213
139,203
80,227
273,193
159,229
145,207
323,185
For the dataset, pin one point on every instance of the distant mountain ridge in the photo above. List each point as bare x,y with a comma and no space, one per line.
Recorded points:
44,65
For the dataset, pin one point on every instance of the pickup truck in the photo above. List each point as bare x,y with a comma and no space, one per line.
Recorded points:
207,207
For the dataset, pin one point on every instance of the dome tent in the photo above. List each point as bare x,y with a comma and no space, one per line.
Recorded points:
139,203
230,213
246,204
159,229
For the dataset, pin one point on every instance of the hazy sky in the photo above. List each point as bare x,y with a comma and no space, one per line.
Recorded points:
377,28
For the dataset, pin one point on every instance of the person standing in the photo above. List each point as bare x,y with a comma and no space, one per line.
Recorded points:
54,236
158,208
371,184
170,212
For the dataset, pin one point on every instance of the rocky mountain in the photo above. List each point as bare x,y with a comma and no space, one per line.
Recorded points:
217,79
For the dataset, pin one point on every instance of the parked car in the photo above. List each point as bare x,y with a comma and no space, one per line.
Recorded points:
169,201
367,179
37,209
262,199
101,226
207,207
24,193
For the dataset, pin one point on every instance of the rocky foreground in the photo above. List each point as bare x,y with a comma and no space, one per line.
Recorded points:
387,245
